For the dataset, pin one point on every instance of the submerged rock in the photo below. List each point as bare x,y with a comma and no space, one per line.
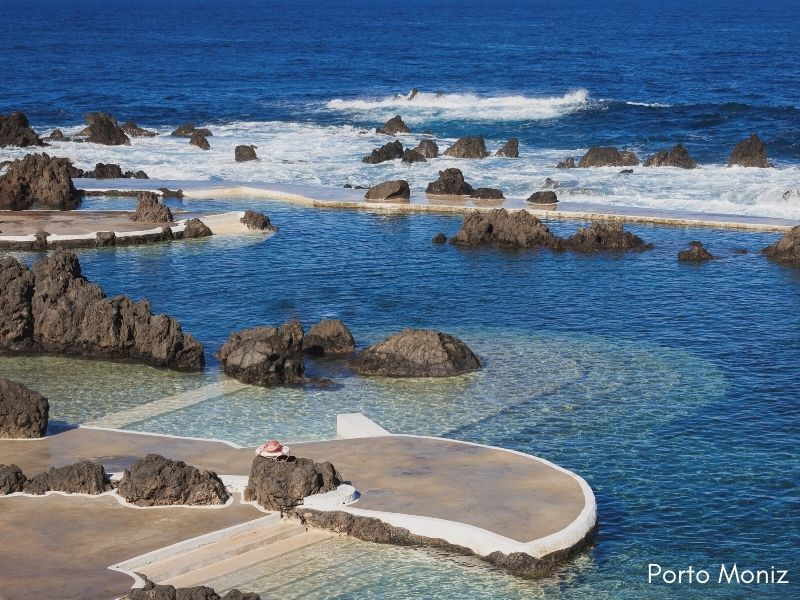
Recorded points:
695,253
38,179
102,128
282,484
786,249
485,193
428,149
12,480
505,229
604,156
468,147
15,131
133,130
510,149
412,156
53,309
602,236
416,353
158,481
265,355
83,477
567,163
244,153
23,412
329,337
450,183
395,190
677,156
393,126
149,209
546,197
199,140
439,238
750,153
187,129
390,151
258,221
550,184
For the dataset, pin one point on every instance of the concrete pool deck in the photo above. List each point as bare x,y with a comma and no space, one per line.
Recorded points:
478,497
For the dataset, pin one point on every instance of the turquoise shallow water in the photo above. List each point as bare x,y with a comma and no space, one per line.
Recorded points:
670,388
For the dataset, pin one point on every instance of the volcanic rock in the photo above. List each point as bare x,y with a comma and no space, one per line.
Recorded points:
158,481
12,479
151,591
604,156
468,147
786,249
695,253
450,183
53,309
501,228
677,156
329,337
38,179
439,238
258,221
546,197
265,355
550,184
56,136
23,412
282,484
390,151
567,163
195,228
603,236
749,153
412,156
245,153
83,477
133,130
510,149
150,210
485,193
416,353
188,129
393,126
428,148
389,190
199,140
102,128
15,131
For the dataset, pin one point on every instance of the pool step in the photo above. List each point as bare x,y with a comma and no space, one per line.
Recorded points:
240,550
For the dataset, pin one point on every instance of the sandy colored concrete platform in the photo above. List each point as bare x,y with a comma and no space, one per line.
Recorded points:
505,493
61,547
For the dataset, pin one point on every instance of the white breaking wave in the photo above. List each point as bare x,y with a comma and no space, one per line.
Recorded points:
649,104
423,106
331,156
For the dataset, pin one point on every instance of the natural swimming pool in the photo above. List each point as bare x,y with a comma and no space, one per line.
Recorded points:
670,388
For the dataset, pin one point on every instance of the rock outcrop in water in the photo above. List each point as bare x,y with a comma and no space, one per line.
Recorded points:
393,126
282,484
187,129
83,477
567,163
38,179
23,412
504,229
151,591
604,156
389,151
510,149
546,197
329,337
439,238
600,237
412,156
102,128
149,209
450,183
786,249
428,149
133,130
15,131
265,355
244,153
195,228
12,479
485,193
56,136
468,147
257,221
158,481
51,308
112,171
416,353
677,156
389,191
750,153
696,253
199,140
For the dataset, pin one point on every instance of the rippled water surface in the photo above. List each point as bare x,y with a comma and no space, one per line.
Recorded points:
670,388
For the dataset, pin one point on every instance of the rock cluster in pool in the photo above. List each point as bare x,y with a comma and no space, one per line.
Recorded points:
84,477
282,484
51,308
23,412
159,481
